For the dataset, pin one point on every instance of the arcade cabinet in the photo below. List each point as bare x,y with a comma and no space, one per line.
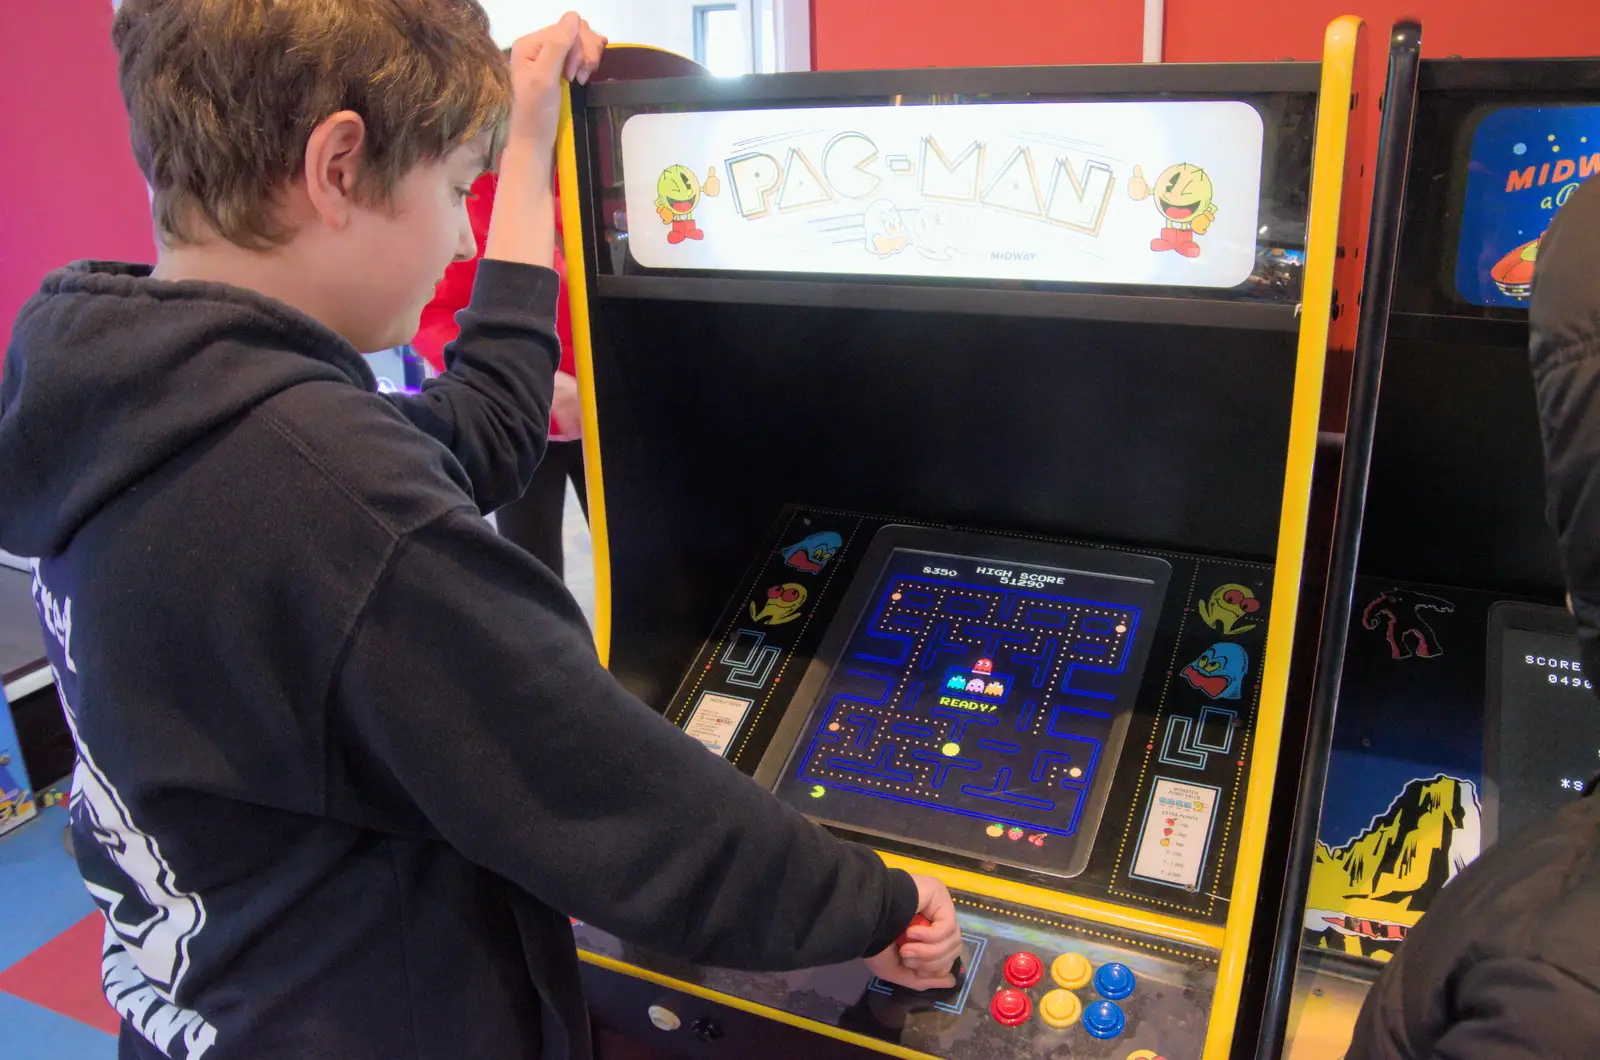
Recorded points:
949,436
1462,708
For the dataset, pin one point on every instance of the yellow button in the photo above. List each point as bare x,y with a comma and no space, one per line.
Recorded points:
1060,1009
1071,970
1144,1054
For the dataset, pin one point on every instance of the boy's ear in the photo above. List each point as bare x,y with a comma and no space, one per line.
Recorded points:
333,161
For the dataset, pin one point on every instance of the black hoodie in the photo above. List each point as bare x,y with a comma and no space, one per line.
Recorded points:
1564,351
344,753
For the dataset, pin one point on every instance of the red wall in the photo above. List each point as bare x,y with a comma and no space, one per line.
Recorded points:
68,185
893,34
868,34
1258,29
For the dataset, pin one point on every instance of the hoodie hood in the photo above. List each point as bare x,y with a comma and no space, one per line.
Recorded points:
111,374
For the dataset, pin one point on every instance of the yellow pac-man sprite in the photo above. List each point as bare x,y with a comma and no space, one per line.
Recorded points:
678,192
1183,198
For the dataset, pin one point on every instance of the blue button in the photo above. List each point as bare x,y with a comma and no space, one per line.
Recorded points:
1102,1019
1113,981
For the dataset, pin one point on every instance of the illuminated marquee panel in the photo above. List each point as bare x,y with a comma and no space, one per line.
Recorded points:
1525,164
1158,193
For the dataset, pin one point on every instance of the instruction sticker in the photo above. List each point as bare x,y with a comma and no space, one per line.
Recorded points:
715,719
1177,833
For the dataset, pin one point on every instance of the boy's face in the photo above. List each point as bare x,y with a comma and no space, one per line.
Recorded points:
395,255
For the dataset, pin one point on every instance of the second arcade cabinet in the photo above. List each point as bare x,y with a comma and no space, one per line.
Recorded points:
1463,710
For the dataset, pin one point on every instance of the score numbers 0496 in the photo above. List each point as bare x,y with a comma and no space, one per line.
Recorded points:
1574,682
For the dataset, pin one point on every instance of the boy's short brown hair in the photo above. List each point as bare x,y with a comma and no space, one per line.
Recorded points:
223,95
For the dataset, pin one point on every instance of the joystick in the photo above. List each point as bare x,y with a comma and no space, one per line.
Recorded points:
917,921
921,921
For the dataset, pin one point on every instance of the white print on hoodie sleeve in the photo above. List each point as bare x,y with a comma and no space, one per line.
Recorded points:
150,920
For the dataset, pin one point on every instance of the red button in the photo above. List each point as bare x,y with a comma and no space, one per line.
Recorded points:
1011,1007
1024,970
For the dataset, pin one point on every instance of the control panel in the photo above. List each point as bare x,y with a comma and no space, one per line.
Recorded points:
1035,984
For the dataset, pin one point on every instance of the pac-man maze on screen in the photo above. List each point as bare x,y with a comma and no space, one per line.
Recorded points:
990,704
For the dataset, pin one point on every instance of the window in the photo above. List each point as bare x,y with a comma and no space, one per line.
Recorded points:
728,37
766,42
719,39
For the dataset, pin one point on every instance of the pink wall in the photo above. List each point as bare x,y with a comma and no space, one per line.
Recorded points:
68,185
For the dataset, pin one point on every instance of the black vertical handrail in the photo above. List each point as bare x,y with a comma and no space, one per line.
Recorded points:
1372,333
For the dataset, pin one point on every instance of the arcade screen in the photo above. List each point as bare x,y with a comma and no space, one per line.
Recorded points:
1525,163
975,686
1542,740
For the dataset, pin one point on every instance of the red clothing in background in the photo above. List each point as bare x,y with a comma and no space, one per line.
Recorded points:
438,326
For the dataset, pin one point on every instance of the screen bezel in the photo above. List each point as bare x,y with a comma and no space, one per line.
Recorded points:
902,537
1455,96
1504,616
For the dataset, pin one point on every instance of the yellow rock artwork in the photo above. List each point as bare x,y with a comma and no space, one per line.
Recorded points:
1365,895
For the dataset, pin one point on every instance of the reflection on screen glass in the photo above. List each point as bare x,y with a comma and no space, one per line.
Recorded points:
1549,734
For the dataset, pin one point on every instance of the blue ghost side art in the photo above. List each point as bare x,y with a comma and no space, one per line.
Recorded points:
813,553
1219,671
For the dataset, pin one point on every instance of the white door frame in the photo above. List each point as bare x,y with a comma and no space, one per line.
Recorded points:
793,21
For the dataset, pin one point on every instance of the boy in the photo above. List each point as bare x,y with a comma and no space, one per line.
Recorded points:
1506,965
343,753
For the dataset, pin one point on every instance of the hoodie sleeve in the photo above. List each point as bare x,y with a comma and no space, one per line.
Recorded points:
491,407
471,695
1501,1009
1397,1002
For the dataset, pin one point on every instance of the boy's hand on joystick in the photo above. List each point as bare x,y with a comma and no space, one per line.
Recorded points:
917,921
923,957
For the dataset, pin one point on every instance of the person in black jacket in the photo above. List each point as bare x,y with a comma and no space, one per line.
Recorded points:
1506,964
346,759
